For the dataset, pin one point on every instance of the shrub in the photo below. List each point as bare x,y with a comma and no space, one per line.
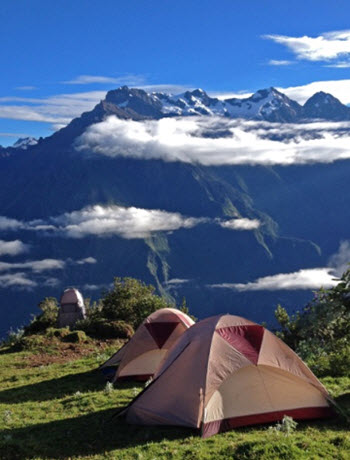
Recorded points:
30,343
54,332
131,301
48,317
105,329
320,333
13,338
75,337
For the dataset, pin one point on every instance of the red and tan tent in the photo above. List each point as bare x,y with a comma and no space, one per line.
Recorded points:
141,357
225,372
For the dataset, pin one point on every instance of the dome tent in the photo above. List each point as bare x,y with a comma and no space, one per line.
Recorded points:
140,357
71,309
226,372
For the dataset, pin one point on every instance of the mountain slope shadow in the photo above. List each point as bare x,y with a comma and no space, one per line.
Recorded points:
89,434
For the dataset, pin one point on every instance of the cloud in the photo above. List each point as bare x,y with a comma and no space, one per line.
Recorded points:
9,224
25,88
341,259
176,281
338,88
36,266
190,140
129,223
12,248
309,278
57,109
312,278
17,280
87,260
124,80
96,287
276,62
15,135
325,47
339,65
241,224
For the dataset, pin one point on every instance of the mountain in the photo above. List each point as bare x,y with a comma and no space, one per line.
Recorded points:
78,214
327,107
25,142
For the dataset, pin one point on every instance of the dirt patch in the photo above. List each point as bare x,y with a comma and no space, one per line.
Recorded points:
60,352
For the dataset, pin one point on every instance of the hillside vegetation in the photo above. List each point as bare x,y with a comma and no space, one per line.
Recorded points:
54,403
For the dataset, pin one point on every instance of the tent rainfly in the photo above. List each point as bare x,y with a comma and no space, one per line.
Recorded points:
226,372
72,308
140,358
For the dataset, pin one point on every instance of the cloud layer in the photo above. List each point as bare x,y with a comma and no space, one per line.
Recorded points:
312,278
328,46
128,223
191,140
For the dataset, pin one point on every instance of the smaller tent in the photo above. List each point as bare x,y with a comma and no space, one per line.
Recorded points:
140,358
72,308
226,372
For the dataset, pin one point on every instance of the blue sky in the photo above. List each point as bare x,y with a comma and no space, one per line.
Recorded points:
59,57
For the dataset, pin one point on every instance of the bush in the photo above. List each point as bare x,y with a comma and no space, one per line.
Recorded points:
48,317
102,328
58,333
30,343
75,337
131,301
13,338
320,333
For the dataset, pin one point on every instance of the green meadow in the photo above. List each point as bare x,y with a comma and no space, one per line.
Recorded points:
56,405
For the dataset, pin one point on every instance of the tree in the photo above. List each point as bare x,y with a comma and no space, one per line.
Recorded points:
130,300
48,317
320,333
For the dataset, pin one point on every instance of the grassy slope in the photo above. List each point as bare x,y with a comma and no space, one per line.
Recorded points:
61,410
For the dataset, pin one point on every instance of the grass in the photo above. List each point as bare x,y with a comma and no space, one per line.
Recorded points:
63,410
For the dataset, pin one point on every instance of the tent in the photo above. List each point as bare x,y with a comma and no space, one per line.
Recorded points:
140,357
71,309
225,372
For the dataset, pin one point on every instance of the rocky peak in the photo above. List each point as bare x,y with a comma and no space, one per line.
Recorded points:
325,106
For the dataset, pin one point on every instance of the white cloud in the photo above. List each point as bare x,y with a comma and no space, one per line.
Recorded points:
16,280
15,135
57,109
338,88
124,80
87,260
245,142
325,47
9,224
339,65
37,266
277,62
25,88
241,224
12,248
312,278
309,278
341,259
128,223
177,281
51,282
96,287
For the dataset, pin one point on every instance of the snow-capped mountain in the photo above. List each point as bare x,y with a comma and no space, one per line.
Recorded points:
25,142
266,104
